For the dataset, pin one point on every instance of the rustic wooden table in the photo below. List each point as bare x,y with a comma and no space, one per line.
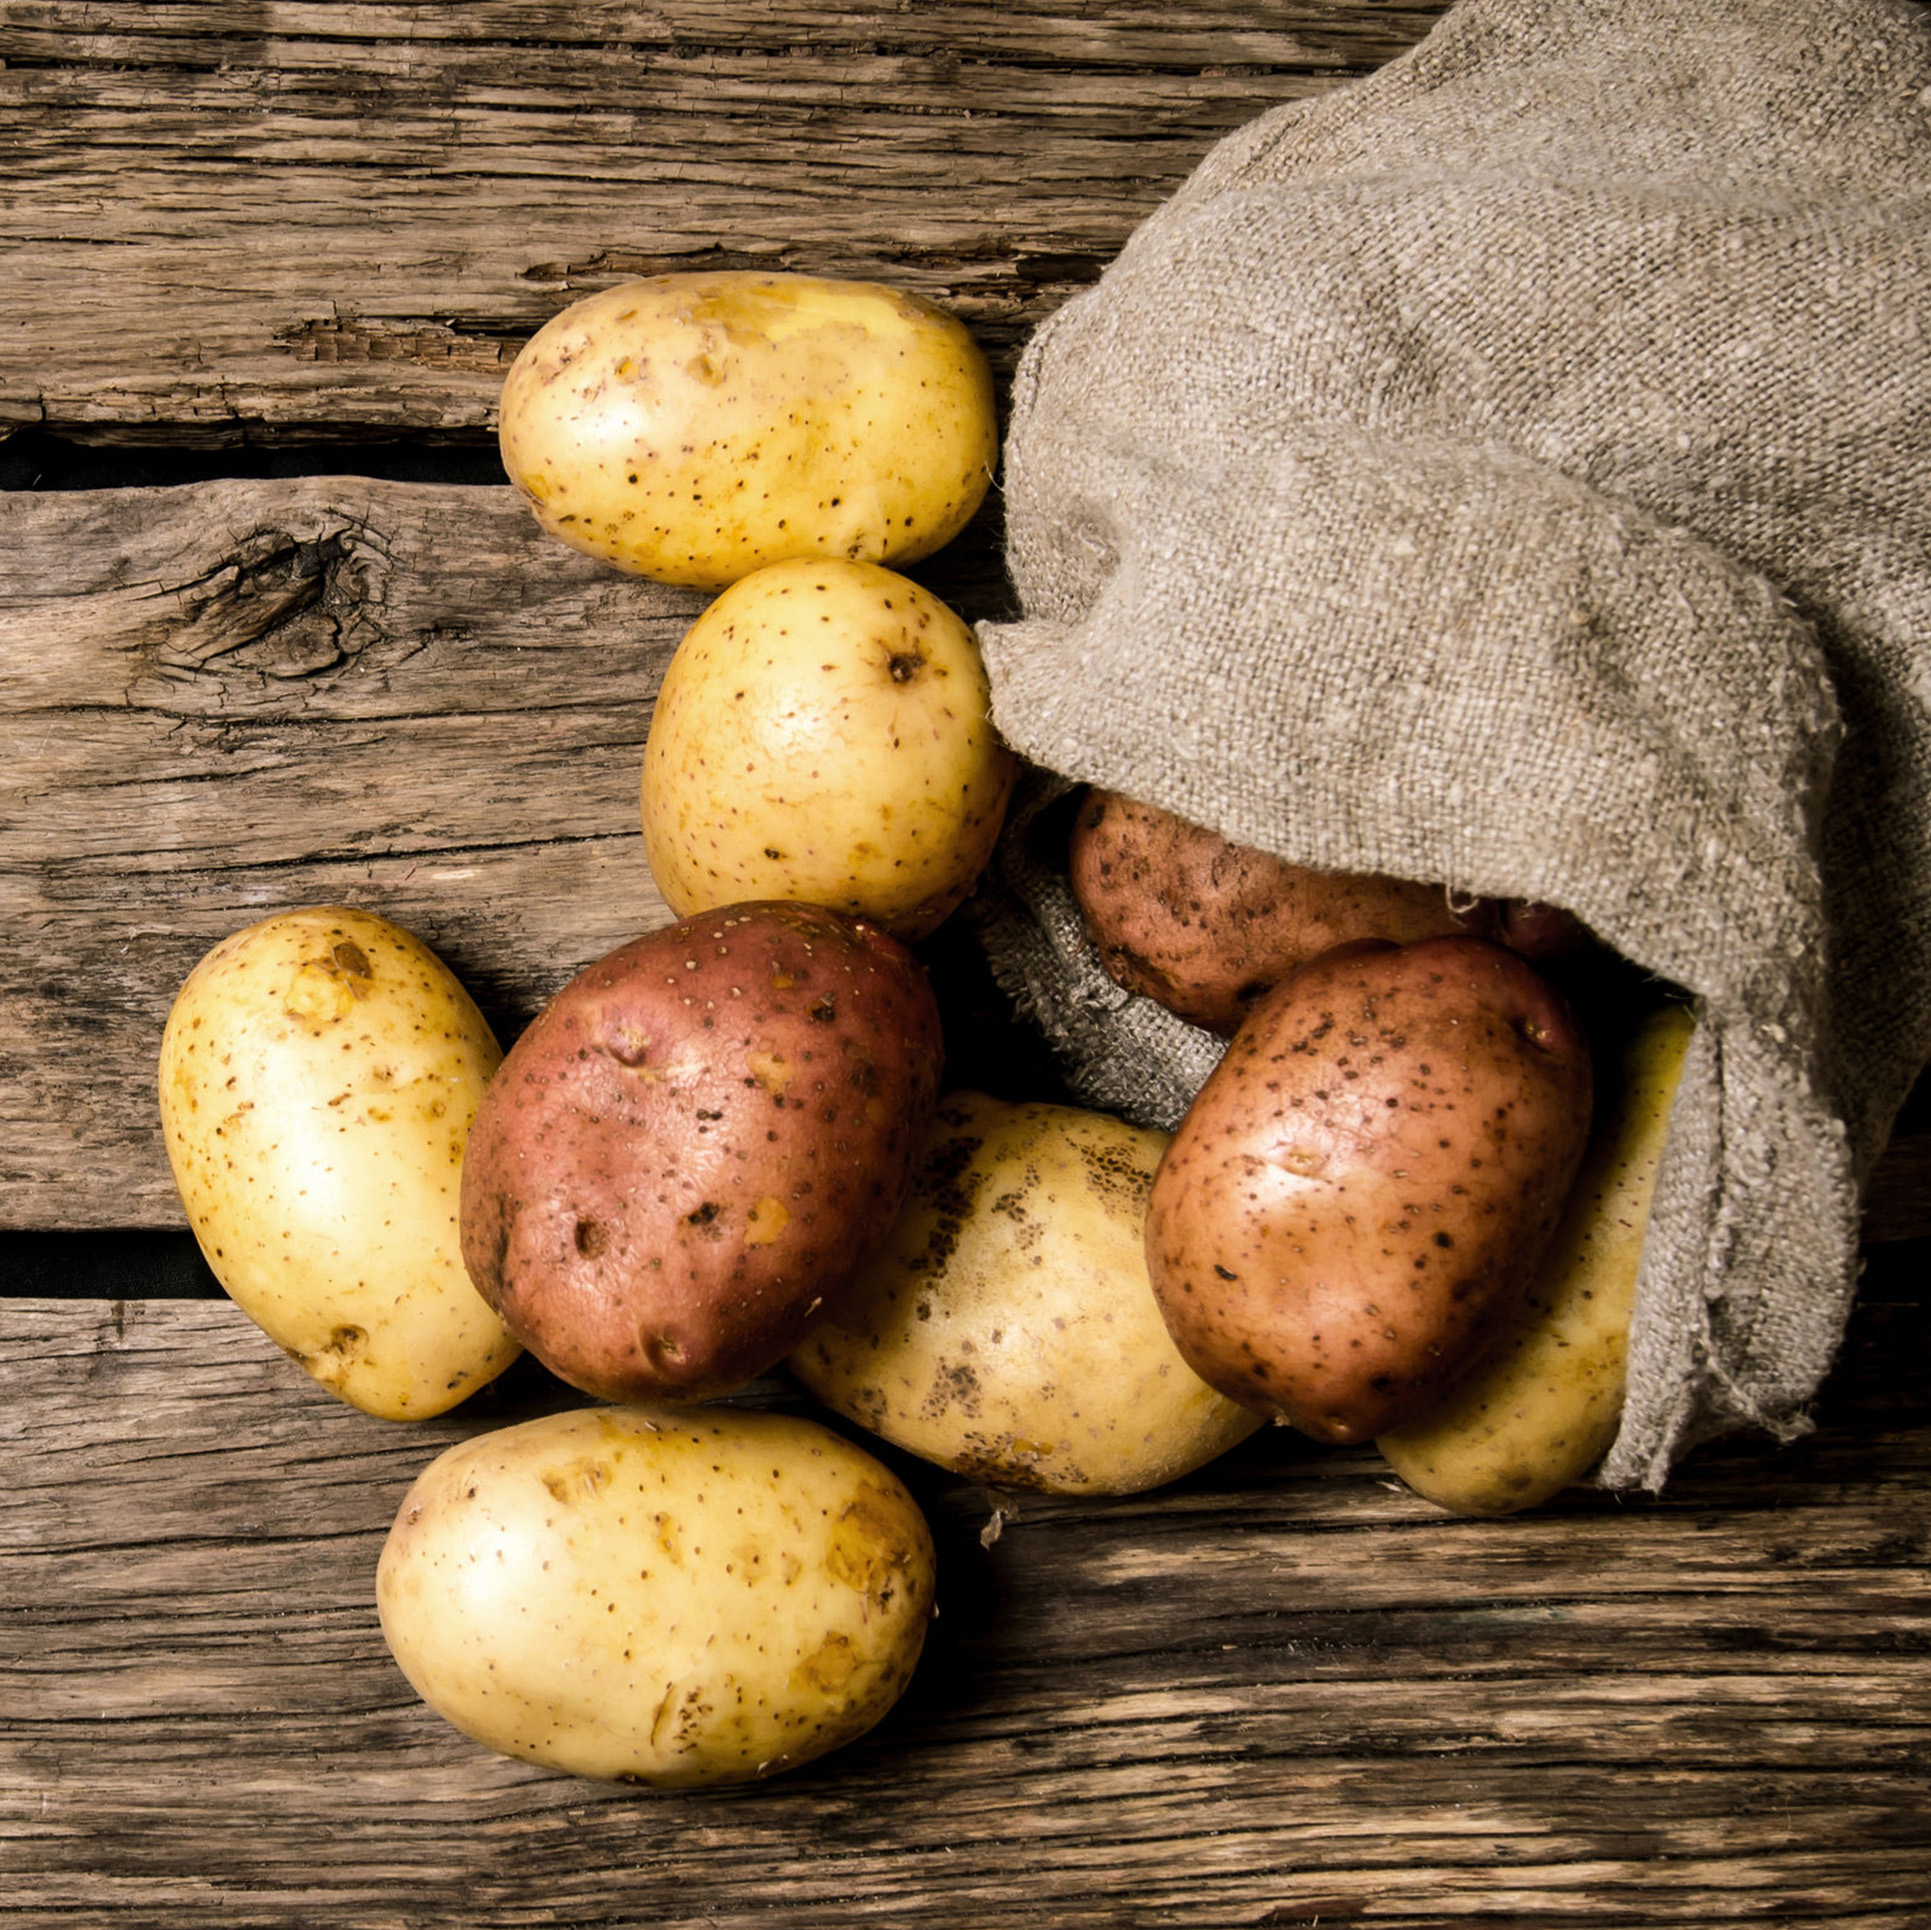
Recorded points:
274,632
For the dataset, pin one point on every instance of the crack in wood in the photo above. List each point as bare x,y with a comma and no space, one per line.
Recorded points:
350,339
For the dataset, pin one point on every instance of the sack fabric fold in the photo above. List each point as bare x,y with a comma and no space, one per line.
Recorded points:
1514,470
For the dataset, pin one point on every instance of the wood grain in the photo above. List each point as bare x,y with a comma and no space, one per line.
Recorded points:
226,700
230,219
1283,1691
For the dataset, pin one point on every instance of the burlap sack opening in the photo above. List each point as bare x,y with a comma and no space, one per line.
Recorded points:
1512,471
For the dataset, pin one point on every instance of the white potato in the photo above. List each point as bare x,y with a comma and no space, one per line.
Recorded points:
823,733
318,1075
694,427
659,1595
1542,1408
1009,1331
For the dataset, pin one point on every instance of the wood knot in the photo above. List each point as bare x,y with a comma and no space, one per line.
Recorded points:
273,607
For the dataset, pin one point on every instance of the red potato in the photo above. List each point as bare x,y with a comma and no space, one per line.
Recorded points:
1360,1192
1204,926
697,1144
1543,933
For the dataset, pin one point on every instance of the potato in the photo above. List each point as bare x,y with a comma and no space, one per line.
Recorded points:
1542,1406
657,1596
1545,934
1204,926
695,427
697,1144
318,1075
823,733
1358,1194
1007,1330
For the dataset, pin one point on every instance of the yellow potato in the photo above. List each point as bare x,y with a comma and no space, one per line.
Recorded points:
1008,1331
695,427
658,1595
319,1072
823,734
1542,1409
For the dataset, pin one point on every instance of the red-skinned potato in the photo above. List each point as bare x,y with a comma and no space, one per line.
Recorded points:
1358,1195
696,1145
1543,933
1204,926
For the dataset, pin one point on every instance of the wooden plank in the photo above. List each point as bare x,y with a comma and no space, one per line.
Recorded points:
234,698
1897,1204
228,219
1282,1691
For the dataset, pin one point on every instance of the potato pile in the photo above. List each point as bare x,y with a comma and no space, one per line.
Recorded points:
1403,1206
1399,1209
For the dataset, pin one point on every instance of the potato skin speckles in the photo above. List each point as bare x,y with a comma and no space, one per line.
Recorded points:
695,427
697,1143
317,1077
1365,1183
1542,1405
1203,926
824,733
1007,1329
677,1598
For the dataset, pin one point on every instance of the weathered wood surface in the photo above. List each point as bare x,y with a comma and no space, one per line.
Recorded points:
338,221
228,700
1282,1692
220,701
308,215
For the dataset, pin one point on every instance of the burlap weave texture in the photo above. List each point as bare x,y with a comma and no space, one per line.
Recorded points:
1514,470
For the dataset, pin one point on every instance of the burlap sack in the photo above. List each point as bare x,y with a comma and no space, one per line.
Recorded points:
1511,470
